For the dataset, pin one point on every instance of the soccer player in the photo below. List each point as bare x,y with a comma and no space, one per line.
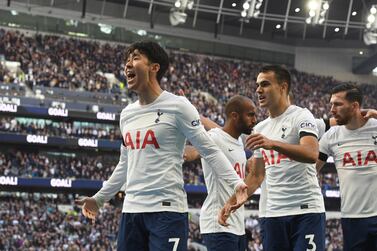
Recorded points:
154,131
353,145
240,119
285,149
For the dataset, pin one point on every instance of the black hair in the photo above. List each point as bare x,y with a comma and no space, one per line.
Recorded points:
154,52
353,92
281,74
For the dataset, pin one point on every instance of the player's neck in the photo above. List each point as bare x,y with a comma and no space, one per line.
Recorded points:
356,122
231,131
278,109
151,92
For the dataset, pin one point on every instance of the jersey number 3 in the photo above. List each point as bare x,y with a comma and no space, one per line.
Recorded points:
311,242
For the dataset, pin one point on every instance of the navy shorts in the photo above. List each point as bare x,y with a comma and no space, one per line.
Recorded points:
262,231
295,233
360,234
224,242
160,231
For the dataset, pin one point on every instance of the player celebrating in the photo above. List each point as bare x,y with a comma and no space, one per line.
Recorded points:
240,114
154,131
286,148
353,144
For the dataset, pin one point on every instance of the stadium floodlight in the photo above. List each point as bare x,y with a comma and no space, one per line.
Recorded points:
251,9
177,13
373,10
370,33
105,28
317,11
246,5
313,5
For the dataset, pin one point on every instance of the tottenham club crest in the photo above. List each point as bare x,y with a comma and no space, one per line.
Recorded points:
375,139
159,113
283,129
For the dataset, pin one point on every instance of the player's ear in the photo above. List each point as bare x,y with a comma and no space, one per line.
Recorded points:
155,67
284,87
356,105
234,115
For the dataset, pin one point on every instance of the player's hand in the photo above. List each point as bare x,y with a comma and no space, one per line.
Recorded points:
241,196
190,154
369,113
255,141
89,207
224,215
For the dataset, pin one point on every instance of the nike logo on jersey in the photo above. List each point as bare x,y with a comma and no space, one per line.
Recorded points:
230,150
158,116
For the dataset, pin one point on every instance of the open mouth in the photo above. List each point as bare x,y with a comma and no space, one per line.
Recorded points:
261,98
130,76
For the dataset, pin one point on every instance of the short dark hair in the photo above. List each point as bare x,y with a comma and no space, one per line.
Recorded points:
154,52
353,92
235,104
281,73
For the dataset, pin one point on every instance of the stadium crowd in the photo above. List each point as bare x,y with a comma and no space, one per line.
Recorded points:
37,222
206,80
57,61
15,162
59,129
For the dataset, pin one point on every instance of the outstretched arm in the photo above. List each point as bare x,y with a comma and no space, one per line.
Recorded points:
253,180
91,205
208,124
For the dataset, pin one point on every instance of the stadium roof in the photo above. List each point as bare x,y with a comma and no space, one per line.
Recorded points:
278,20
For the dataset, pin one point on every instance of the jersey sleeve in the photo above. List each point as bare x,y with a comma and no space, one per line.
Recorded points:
306,124
188,122
321,125
257,152
324,150
117,179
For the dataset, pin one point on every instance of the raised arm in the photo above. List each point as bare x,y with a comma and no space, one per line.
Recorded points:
188,122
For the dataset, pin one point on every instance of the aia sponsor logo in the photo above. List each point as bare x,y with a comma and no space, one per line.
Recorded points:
362,158
271,157
240,169
141,140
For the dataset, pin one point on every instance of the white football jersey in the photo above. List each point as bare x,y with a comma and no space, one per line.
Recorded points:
291,187
355,158
321,125
150,164
218,190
